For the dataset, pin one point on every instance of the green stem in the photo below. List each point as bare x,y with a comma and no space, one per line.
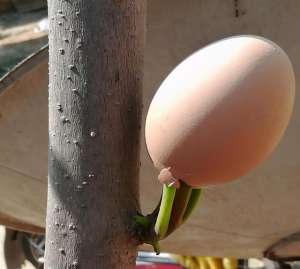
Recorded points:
195,195
165,209
156,247
145,221
175,206
180,204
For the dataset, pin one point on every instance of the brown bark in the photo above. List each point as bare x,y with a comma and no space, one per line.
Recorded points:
95,69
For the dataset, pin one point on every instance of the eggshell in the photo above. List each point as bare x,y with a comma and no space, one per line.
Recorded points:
221,111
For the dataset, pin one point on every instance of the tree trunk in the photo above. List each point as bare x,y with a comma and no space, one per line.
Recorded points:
95,100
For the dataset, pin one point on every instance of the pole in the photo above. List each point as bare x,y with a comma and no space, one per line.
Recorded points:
95,102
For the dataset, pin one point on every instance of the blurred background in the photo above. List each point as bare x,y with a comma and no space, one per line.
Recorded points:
23,31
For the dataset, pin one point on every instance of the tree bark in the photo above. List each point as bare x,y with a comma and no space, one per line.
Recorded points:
95,100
